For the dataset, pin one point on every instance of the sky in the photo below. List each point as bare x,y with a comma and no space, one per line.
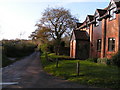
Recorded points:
18,17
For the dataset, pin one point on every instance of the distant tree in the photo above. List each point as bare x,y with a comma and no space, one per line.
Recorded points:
41,35
21,34
66,39
59,21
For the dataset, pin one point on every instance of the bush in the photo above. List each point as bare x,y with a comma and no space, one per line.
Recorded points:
6,61
13,48
108,62
104,61
92,60
116,59
51,48
44,48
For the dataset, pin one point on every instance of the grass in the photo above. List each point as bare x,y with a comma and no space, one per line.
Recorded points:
6,61
92,74
0,56
52,55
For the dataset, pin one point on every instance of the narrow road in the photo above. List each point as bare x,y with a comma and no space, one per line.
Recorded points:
28,73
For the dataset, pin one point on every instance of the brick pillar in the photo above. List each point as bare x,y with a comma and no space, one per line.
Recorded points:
119,32
71,49
118,28
103,46
91,40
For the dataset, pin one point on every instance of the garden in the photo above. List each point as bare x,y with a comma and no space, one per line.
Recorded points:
90,73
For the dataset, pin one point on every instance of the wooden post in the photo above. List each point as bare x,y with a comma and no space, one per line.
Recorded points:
40,56
57,62
46,56
78,68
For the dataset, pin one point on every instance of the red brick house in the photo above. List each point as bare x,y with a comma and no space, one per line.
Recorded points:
79,44
101,33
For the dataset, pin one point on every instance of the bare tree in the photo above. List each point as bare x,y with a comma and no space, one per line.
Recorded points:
60,21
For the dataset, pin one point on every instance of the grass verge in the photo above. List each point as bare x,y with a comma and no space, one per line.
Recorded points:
92,74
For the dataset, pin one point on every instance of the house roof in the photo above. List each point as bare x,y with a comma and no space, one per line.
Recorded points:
79,24
101,12
81,35
117,4
91,17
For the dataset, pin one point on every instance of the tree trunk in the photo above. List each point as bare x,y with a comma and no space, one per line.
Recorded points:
57,46
57,62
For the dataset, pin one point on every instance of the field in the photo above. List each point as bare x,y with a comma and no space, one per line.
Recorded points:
92,74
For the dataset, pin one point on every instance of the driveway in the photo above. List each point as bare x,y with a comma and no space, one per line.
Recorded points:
28,73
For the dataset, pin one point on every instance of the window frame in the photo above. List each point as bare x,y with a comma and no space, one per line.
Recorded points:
111,44
112,13
99,43
97,22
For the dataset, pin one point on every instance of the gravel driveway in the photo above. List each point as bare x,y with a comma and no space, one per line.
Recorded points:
28,73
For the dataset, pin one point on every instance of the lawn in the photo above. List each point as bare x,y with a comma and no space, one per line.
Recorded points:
92,74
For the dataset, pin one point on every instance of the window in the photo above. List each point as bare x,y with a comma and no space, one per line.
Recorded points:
99,45
96,20
111,44
112,13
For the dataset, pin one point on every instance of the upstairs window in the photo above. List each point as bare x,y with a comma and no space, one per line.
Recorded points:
96,21
112,13
99,45
111,44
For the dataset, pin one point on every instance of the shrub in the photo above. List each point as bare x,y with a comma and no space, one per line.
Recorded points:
104,61
116,59
51,48
5,60
108,62
92,60
13,48
44,48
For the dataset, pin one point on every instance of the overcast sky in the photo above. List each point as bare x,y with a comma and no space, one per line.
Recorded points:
20,16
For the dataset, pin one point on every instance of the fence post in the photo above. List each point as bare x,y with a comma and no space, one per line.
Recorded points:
40,56
46,56
78,68
57,62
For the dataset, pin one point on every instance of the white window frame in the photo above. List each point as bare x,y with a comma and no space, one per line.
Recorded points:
97,21
112,13
111,44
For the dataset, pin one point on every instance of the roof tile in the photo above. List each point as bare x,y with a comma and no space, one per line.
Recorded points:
81,35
